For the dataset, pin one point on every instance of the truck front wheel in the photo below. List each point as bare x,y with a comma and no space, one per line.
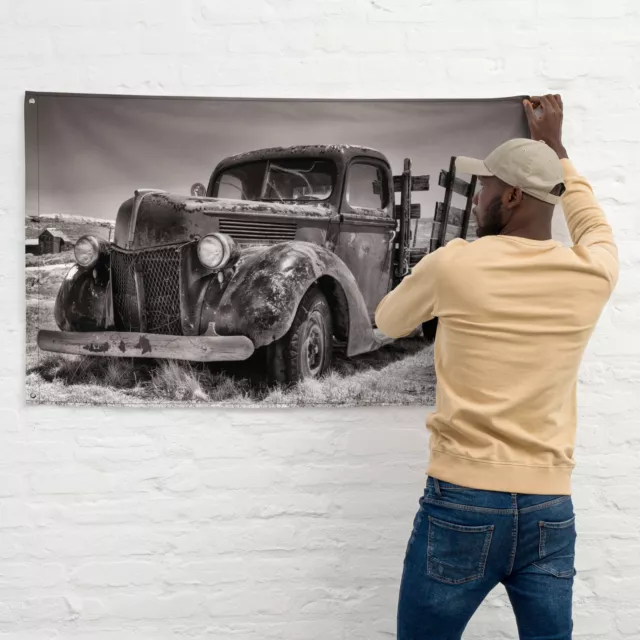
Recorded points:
305,350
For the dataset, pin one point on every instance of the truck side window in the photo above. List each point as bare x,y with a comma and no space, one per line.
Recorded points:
367,187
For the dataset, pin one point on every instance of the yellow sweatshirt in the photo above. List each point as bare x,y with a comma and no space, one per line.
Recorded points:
514,318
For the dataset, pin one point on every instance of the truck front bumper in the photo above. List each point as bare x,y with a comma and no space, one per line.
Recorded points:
117,344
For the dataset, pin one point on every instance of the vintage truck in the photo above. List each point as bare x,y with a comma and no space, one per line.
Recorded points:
289,251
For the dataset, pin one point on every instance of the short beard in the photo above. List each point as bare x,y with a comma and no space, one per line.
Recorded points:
492,224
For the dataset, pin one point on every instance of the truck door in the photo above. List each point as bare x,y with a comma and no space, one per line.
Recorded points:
367,228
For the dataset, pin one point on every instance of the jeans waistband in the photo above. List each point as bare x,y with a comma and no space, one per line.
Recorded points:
468,498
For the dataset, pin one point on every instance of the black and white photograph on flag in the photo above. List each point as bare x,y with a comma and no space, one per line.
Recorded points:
233,252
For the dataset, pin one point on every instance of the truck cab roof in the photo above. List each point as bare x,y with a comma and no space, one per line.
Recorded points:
340,153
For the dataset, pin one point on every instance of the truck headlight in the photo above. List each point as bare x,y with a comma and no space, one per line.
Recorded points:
216,250
87,251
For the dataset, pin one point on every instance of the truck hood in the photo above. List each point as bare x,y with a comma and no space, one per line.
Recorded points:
158,218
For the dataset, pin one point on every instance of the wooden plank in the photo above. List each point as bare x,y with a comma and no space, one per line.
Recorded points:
446,205
467,211
416,254
114,344
459,186
405,219
456,215
452,230
415,210
418,183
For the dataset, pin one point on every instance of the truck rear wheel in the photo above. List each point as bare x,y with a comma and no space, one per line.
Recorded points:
305,350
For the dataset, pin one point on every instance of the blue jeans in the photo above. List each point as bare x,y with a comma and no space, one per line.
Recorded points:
465,541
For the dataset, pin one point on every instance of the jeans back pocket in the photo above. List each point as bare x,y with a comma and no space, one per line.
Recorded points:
457,553
557,548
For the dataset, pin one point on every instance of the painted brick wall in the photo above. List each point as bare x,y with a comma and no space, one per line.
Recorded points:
160,525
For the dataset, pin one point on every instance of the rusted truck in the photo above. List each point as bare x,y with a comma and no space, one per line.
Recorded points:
288,253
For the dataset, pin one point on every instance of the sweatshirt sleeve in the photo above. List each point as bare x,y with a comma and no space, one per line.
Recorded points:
587,223
413,301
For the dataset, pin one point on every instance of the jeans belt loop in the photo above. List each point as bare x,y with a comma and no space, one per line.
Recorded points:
436,486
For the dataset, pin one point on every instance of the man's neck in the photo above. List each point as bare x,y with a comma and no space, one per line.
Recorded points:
534,226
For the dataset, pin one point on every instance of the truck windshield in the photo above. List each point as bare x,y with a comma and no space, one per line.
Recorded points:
278,180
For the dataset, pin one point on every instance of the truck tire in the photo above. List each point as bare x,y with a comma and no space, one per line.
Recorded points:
305,351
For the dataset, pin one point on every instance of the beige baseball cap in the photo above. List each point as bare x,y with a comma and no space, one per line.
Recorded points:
530,165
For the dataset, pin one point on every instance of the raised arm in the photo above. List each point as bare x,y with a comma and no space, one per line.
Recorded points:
585,218
413,301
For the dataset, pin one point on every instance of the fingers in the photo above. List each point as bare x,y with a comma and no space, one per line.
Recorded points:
558,98
553,100
532,120
549,102
528,109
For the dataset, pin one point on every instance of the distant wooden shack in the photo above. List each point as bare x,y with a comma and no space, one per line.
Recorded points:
52,240
32,245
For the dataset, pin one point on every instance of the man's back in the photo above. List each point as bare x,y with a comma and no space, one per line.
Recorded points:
515,316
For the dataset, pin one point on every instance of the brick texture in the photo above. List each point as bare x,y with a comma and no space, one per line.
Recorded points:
161,525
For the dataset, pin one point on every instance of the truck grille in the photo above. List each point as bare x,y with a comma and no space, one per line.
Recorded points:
257,231
159,271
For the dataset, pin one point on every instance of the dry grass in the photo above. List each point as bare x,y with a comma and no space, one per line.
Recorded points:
410,380
83,380
185,381
64,257
40,392
45,282
39,315
175,382
103,372
95,380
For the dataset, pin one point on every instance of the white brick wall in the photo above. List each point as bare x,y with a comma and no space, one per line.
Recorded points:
160,525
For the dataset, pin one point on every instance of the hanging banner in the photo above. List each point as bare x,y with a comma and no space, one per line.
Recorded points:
232,252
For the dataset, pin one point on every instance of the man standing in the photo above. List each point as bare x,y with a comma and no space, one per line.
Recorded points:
515,311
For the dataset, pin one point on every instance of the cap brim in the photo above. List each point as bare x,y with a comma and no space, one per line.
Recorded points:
472,166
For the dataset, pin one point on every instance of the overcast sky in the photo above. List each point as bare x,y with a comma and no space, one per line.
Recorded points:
94,151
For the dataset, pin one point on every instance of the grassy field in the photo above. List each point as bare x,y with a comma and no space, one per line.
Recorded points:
48,259
400,373
72,226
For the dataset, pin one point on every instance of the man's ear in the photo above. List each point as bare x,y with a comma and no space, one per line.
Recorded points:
512,197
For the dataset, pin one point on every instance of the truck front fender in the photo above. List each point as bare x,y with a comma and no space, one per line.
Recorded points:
84,300
262,297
